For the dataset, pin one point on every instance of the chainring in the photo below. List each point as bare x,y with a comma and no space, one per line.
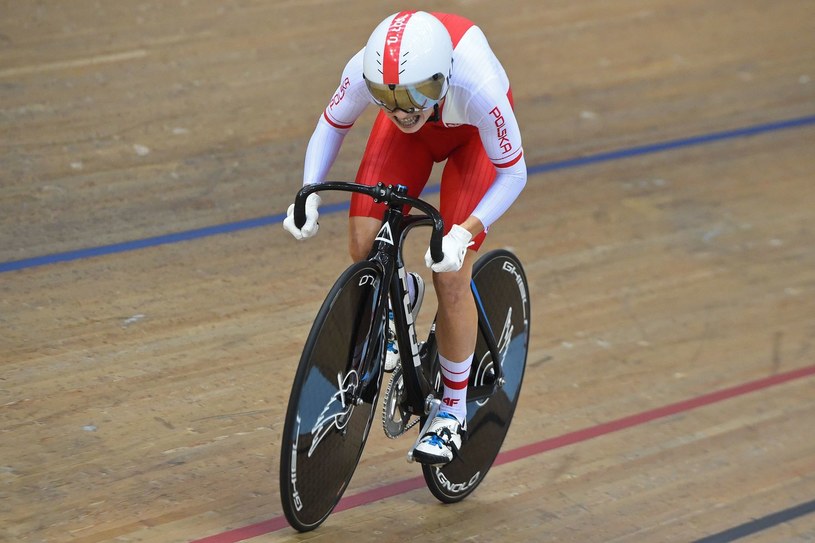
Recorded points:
395,420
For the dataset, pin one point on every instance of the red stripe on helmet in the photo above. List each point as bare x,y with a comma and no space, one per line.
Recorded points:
393,47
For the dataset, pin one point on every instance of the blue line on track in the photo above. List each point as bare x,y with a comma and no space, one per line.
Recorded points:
673,144
760,524
79,254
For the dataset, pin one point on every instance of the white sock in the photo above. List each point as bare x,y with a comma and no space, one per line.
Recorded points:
455,377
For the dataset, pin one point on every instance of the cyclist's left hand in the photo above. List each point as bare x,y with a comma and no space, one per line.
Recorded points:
454,246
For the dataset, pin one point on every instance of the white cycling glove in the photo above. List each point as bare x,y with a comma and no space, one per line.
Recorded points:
454,246
311,226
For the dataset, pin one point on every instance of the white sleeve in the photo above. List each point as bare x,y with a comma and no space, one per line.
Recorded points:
501,138
346,105
322,151
508,184
351,97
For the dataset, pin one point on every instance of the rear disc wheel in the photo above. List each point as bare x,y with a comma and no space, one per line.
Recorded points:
501,289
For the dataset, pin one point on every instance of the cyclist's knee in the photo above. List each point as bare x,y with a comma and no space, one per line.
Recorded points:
358,248
361,234
452,287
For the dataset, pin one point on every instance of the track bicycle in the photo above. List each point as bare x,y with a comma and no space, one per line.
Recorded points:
337,383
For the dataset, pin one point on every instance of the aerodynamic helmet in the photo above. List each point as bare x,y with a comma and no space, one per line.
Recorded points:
407,62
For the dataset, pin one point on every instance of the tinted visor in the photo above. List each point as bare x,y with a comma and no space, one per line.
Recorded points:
408,98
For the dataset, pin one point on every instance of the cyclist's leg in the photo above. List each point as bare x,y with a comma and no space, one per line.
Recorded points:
456,329
467,176
361,234
391,157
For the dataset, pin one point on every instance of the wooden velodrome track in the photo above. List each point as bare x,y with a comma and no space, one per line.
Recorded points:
671,377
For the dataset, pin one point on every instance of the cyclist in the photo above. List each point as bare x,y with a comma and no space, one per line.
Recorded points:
442,95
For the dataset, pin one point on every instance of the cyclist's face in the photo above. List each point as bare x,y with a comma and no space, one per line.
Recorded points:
409,122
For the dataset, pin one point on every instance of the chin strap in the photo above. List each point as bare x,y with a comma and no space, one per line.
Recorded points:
435,118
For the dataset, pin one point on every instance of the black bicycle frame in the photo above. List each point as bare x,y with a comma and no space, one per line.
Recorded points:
387,252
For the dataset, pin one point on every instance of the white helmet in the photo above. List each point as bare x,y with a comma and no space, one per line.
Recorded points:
407,61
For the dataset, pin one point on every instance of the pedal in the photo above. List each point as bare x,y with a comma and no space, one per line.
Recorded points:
434,404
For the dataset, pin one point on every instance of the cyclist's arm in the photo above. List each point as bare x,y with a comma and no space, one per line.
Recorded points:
322,151
501,138
508,184
346,105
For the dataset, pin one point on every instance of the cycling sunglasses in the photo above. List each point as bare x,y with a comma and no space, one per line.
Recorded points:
408,98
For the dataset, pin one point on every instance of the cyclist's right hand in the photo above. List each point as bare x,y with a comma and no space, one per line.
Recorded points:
311,226
454,246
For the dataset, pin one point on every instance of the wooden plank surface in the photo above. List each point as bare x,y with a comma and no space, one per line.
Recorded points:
142,392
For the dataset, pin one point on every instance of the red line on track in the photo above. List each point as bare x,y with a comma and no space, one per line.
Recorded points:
401,487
